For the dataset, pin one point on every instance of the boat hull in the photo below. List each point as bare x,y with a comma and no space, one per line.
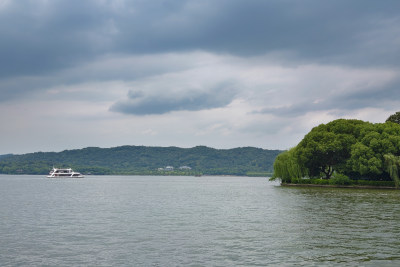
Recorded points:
64,173
50,176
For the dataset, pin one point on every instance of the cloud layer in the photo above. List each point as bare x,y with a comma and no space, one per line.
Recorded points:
41,36
139,103
234,72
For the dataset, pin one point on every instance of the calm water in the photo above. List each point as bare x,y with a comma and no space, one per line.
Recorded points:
193,221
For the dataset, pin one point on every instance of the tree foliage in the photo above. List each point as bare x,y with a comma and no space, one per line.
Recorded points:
394,118
326,147
287,167
393,165
353,148
146,160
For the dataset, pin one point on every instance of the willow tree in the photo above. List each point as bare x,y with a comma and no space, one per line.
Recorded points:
393,165
287,168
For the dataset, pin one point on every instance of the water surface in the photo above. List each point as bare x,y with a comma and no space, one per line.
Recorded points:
193,221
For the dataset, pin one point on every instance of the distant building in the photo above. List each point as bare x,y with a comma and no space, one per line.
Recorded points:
185,168
169,168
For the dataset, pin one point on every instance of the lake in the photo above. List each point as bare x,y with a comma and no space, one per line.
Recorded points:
193,221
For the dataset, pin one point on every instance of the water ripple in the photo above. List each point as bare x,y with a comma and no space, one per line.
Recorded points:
187,221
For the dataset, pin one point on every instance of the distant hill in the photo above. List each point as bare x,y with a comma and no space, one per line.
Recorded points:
146,161
5,155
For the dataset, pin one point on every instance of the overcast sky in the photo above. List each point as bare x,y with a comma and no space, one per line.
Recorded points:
220,73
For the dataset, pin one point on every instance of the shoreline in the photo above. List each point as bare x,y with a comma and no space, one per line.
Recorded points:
340,186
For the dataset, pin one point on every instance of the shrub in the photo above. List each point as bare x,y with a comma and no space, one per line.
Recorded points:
302,181
309,181
340,179
320,181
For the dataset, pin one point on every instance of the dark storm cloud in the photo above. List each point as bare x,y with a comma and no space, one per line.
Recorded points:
139,103
40,37
326,31
47,43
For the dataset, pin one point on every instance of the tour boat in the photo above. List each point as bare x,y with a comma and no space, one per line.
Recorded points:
61,173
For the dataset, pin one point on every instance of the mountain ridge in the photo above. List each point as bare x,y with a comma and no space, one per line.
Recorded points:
145,160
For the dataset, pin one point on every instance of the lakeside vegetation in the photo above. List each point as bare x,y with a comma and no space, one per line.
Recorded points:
143,160
344,152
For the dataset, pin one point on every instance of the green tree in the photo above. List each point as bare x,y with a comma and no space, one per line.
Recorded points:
287,167
375,141
326,148
144,160
344,148
393,165
394,118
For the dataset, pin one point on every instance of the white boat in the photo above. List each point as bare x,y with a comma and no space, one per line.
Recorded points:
61,173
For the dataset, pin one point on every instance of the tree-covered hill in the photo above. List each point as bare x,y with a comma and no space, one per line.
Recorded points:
146,160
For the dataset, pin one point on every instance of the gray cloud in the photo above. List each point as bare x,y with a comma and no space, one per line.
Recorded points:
39,37
298,63
314,30
138,103
385,96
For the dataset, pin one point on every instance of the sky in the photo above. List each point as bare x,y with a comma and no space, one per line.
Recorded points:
219,73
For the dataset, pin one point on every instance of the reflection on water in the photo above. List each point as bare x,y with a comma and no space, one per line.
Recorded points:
193,221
